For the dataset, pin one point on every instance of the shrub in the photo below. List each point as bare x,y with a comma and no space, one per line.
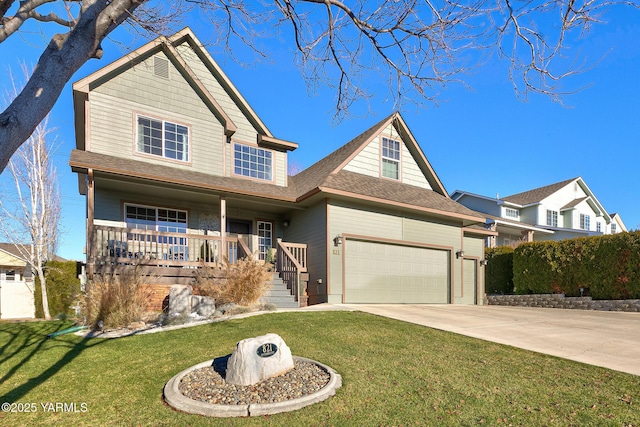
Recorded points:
499,270
63,288
606,267
242,283
117,299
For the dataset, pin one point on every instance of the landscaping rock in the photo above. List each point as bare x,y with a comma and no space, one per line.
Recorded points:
204,306
180,300
257,359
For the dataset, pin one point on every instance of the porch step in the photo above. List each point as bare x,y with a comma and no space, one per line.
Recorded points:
279,295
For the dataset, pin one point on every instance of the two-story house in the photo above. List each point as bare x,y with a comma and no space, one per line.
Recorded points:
178,170
558,211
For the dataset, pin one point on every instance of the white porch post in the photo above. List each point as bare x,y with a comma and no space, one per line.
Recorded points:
223,227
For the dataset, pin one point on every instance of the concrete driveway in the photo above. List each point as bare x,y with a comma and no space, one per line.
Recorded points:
600,338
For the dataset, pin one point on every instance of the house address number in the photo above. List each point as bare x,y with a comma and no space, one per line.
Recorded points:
336,251
267,350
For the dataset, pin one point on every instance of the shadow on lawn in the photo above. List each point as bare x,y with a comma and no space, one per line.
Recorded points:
25,343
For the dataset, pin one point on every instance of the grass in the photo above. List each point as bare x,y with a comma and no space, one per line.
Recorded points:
394,373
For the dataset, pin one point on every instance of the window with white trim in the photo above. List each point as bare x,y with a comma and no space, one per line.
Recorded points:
585,222
265,238
613,228
512,213
390,158
163,139
552,218
598,227
252,162
156,219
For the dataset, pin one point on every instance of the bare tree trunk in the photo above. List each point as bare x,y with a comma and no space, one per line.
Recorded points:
31,221
64,55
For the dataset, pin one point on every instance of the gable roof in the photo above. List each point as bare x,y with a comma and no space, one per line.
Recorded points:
12,250
167,45
327,175
537,194
314,176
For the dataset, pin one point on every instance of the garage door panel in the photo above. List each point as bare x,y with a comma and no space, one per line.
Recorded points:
385,273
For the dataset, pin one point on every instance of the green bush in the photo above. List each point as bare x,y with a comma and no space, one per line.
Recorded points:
605,267
63,288
499,270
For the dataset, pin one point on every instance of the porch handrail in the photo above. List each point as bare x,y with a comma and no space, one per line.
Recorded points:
291,267
126,245
242,245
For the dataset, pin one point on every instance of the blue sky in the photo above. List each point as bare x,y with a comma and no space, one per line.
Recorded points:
484,140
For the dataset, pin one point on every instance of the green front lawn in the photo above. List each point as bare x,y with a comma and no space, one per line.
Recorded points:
394,373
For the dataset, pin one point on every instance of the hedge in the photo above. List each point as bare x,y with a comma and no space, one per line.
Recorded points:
63,288
605,267
498,273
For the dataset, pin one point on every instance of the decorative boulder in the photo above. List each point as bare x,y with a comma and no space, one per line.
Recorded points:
259,358
203,306
180,300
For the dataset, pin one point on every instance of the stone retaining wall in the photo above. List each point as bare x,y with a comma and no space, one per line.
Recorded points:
560,301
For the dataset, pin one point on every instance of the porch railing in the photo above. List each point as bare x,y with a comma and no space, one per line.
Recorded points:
111,245
292,265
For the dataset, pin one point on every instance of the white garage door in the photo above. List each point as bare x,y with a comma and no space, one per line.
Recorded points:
385,273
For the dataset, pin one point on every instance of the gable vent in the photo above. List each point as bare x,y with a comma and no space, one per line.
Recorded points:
161,67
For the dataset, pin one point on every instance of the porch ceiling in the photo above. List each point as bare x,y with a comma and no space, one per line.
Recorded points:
170,191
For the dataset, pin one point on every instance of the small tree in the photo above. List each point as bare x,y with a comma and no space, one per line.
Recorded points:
31,222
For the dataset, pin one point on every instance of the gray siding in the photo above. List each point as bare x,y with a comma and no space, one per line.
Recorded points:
309,226
481,205
114,105
352,218
368,161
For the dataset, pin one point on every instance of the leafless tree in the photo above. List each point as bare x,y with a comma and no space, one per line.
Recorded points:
418,46
30,221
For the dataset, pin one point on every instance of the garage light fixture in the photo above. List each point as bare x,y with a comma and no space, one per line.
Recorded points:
484,262
337,240
460,254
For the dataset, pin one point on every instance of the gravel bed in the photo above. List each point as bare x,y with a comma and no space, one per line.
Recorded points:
207,385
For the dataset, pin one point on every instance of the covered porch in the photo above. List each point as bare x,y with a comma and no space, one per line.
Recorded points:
173,229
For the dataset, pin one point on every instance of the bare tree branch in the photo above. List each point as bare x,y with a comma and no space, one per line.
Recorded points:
418,47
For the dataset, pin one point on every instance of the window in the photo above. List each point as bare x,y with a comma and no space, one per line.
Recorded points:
613,228
598,227
252,162
10,276
585,222
163,139
156,219
265,238
552,218
512,213
390,158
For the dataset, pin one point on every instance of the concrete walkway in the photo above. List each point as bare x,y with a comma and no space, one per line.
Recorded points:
600,338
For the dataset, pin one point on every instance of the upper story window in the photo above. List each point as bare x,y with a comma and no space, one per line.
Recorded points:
613,228
390,158
552,218
512,213
585,222
598,227
163,139
10,276
252,162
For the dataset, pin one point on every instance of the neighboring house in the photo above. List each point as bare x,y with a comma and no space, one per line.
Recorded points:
558,211
16,284
179,170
